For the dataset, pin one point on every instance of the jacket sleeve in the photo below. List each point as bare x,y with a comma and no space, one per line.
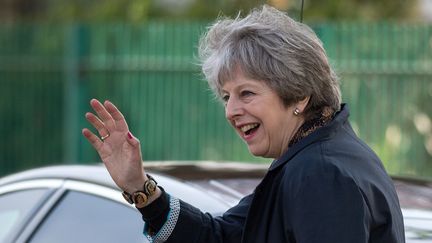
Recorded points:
186,223
328,209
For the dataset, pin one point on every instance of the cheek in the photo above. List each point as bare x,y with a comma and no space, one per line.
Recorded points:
231,122
274,127
269,130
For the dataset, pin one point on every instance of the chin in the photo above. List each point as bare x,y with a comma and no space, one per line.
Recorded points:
259,153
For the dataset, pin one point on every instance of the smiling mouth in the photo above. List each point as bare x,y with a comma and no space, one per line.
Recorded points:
249,129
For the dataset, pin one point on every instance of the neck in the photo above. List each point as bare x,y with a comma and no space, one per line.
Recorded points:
309,126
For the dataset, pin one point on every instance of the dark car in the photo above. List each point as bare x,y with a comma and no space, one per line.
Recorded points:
82,204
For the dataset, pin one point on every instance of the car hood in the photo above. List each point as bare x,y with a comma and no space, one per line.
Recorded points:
418,225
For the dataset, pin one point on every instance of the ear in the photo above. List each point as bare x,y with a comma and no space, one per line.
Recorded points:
301,105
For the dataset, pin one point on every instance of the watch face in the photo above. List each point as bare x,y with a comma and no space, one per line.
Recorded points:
150,187
139,198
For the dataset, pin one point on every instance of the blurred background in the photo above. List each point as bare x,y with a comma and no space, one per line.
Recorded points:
55,55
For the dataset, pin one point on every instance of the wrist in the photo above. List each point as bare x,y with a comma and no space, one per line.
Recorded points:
147,192
151,199
135,186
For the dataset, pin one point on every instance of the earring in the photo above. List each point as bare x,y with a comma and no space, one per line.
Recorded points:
296,111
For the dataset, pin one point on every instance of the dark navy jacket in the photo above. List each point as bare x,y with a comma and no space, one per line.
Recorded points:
329,187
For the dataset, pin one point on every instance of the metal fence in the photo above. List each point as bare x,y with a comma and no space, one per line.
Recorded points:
48,73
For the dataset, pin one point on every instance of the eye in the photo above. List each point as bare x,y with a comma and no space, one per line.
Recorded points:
225,98
246,93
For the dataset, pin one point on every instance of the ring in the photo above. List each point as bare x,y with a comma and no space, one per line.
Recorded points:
105,137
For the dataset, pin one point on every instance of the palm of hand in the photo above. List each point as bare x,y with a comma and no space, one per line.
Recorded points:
116,148
119,151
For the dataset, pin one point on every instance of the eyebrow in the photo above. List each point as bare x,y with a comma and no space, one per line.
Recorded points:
242,86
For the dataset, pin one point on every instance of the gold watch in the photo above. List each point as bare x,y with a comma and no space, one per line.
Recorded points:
140,198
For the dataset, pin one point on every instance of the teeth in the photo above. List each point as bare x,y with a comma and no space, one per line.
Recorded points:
248,127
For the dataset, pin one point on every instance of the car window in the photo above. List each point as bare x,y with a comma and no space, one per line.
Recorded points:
81,217
15,208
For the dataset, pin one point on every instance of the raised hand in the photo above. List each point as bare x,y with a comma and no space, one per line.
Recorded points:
119,150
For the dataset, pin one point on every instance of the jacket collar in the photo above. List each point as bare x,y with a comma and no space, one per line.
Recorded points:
321,133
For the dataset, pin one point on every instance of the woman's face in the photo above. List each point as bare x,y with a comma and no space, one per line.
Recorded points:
259,116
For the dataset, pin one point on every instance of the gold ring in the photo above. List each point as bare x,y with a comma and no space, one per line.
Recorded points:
105,137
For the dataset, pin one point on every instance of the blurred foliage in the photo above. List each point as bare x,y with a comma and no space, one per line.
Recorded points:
74,10
107,10
140,10
360,9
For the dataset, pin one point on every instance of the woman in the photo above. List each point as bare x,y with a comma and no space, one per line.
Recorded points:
282,98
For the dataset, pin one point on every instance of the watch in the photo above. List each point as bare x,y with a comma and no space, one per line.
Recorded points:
140,198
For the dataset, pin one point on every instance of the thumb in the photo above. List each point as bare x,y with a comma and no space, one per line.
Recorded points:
132,140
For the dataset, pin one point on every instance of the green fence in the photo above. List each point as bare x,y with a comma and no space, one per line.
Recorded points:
49,73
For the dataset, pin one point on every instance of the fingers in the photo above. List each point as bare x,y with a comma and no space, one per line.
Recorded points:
108,120
97,123
93,139
132,140
118,117
103,114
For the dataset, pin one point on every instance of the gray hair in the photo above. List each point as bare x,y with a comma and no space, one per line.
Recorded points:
269,46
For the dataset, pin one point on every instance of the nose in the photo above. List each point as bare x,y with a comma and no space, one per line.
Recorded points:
233,108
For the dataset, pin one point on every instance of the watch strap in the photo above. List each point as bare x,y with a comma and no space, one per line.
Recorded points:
127,197
140,198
